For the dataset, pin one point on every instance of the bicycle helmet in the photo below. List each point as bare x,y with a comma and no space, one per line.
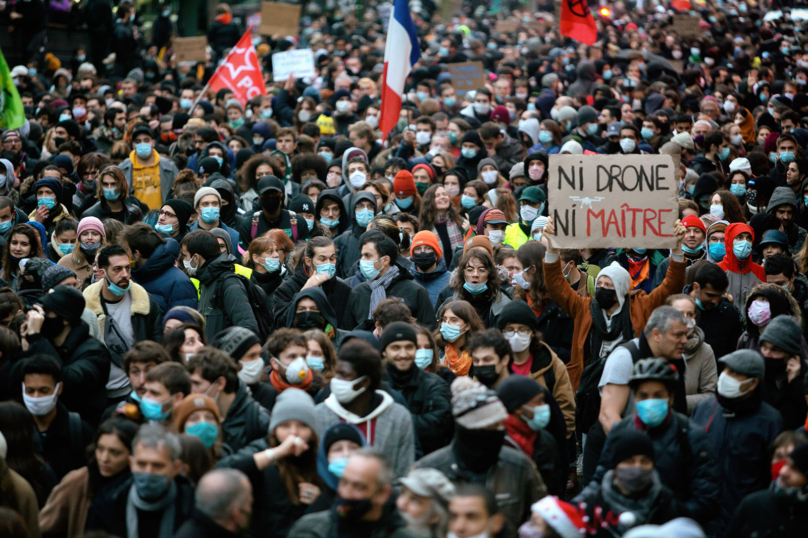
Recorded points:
653,370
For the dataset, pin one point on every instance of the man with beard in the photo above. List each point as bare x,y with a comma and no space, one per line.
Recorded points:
424,501
478,454
272,215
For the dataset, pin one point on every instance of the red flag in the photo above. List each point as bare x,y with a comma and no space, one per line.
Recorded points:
681,5
577,21
240,73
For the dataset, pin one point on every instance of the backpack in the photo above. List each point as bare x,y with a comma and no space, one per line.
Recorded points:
588,395
75,429
292,222
258,300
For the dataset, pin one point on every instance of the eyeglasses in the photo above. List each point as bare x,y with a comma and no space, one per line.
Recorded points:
520,332
166,215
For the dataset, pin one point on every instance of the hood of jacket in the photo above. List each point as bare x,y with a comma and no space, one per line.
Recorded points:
705,185
344,218
439,271
328,477
214,270
318,296
161,260
362,196
731,262
226,191
333,404
349,154
224,168
586,71
782,196
531,128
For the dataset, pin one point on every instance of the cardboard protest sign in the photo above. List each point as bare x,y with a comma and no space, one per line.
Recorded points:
279,18
190,49
686,25
299,62
508,26
467,76
623,201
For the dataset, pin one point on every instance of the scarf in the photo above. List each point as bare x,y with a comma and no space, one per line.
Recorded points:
459,362
378,288
642,506
281,385
224,18
521,434
747,126
620,328
452,230
639,271
166,505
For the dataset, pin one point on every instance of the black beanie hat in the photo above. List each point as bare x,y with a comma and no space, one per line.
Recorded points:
630,442
66,301
396,331
184,210
517,312
301,204
516,390
235,341
342,432
473,137
800,458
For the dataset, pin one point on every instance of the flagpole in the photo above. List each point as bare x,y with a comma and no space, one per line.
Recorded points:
201,94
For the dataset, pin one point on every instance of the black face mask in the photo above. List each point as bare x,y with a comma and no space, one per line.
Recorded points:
612,147
605,298
479,449
352,509
424,260
309,320
51,327
58,140
271,203
487,375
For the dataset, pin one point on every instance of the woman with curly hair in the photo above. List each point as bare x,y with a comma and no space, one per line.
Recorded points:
267,256
256,167
23,242
439,216
727,203
477,282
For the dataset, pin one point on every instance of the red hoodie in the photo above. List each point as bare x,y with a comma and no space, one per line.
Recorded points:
730,262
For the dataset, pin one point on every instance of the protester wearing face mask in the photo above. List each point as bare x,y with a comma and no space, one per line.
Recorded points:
472,151
429,267
151,176
692,479
741,429
536,427
693,245
532,203
783,205
198,415
272,215
356,399
245,349
743,273
587,130
782,345
536,167
347,244
478,449
340,442
534,358
214,374
631,485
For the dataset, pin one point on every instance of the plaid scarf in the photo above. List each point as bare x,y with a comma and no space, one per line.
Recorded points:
452,230
378,288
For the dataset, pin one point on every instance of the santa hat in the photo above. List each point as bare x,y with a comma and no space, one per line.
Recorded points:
563,517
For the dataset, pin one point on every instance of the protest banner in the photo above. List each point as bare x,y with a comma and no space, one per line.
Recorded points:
190,49
276,18
623,201
507,26
467,76
686,25
299,62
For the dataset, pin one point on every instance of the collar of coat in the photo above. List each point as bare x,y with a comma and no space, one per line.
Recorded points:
138,294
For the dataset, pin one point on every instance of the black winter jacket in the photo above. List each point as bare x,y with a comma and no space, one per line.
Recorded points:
722,327
166,284
100,210
557,328
769,514
231,308
245,422
223,36
335,289
347,244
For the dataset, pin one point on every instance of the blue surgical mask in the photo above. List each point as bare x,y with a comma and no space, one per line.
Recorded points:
237,123
404,203
449,102
592,129
694,250
218,160
164,228
786,157
607,74
5,226
724,155
363,217
717,251
116,289
185,104
449,332
327,268
640,251
423,358
468,153
443,51
65,117
326,155
329,222
652,412
691,189
773,157
368,270
804,200
111,194
47,201
210,215
422,95
337,466
143,150
315,363
545,137
647,133
737,190
468,202
310,223
67,248
700,305
207,432
272,265
541,417
266,113
742,249
153,410
476,289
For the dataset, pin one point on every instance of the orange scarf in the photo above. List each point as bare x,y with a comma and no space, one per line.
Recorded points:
639,271
281,385
458,362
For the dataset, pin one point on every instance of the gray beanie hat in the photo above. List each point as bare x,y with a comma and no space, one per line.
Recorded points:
746,362
293,404
785,333
587,114
53,275
222,234
205,191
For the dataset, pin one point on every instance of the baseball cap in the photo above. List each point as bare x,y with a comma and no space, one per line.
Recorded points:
495,216
614,128
533,195
269,183
429,483
141,128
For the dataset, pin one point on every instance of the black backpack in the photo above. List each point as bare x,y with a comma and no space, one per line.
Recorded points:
259,303
588,395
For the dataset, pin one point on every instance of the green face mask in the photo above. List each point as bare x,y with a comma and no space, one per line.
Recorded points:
421,187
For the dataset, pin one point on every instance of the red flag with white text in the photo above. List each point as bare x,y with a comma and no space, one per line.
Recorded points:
241,72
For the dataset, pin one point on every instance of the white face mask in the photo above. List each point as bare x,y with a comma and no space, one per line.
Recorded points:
423,138
40,406
297,371
518,342
490,176
251,371
528,213
496,236
452,191
520,280
344,391
189,268
729,387
717,210
343,107
483,534
357,179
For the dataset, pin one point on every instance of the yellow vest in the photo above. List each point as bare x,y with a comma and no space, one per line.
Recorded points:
239,270
514,236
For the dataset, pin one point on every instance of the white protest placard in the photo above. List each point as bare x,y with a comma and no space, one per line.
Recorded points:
299,62
623,201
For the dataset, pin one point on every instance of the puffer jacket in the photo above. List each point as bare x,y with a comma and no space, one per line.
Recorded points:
348,247
230,309
701,376
246,421
132,212
167,285
683,458
743,275
741,435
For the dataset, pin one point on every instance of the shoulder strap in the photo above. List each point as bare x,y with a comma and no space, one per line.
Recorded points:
254,225
251,422
634,349
76,437
293,222
550,379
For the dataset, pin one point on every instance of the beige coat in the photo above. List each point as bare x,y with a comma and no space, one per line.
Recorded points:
66,511
75,261
26,500
701,377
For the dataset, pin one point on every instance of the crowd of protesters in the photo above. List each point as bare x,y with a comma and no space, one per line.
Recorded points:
263,318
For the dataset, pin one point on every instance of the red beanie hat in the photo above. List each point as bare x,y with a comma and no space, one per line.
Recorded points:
404,184
693,220
428,239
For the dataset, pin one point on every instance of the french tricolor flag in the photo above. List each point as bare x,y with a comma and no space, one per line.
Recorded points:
400,53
